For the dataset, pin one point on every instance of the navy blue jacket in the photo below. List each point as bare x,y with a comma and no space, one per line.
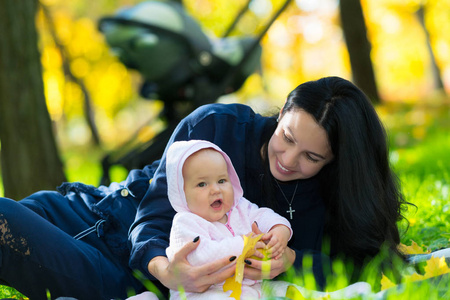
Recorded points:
237,130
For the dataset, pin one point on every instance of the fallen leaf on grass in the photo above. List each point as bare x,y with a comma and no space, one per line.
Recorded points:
413,249
386,283
293,293
435,266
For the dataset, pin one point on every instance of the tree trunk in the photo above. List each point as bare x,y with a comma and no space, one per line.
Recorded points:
29,156
438,82
358,46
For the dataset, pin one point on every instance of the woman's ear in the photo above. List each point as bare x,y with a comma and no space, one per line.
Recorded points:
280,114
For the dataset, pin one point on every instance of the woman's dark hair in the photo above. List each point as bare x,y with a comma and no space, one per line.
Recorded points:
362,194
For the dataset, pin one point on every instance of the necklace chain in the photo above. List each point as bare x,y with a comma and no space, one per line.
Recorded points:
290,211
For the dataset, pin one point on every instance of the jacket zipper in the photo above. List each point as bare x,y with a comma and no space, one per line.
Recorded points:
228,223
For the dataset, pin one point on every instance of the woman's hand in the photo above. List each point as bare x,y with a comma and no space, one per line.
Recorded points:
179,272
277,266
254,268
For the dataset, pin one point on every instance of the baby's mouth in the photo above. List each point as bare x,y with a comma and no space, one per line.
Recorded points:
217,203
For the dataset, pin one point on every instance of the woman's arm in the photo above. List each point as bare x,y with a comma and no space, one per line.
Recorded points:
193,278
149,234
215,244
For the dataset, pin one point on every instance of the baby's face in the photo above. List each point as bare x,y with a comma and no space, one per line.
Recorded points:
209,192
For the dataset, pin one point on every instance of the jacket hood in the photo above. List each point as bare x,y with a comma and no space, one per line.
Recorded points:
176,156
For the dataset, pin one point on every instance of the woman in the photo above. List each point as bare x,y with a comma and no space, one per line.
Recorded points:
323,165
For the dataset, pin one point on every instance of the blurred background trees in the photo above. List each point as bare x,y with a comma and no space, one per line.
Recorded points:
93,99
358,47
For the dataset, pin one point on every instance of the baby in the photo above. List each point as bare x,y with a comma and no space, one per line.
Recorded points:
205,191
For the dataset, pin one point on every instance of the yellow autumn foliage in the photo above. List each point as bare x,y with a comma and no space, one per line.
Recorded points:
435,266
304,43
413,249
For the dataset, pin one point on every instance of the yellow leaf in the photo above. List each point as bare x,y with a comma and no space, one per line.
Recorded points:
266,265
232,285
415,277
293,293
235,283
249,245
413,249
264,252
436,266
249,250
386,283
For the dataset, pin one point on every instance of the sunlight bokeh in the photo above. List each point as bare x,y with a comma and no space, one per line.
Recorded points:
304,43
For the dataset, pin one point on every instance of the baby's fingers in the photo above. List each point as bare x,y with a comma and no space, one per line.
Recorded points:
260,245
258,254
267,237
279,255
275,251
273,241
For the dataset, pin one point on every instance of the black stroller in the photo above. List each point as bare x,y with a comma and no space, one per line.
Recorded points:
180,65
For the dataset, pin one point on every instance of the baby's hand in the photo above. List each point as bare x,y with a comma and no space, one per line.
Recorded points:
276,240
259,245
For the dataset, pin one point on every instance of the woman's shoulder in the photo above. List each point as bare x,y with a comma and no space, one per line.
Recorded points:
219,109
235,114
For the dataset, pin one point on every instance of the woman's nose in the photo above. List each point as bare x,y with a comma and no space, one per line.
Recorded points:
289,160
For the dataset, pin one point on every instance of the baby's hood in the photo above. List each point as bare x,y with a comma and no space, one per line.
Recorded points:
176,156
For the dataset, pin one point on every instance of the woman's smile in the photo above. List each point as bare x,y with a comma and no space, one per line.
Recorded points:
282,169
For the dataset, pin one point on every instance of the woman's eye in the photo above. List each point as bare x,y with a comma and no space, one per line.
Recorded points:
312,159
286,138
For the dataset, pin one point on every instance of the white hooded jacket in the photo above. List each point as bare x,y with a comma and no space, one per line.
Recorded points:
217,240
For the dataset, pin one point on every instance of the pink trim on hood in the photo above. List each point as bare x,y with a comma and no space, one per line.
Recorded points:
176,156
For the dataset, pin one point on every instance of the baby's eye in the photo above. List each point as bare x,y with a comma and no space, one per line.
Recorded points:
201,184
222,180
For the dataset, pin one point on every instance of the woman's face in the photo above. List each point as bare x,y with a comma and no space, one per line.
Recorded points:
299,147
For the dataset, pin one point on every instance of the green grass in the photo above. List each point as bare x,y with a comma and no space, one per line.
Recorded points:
7,292
420,147
423,166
